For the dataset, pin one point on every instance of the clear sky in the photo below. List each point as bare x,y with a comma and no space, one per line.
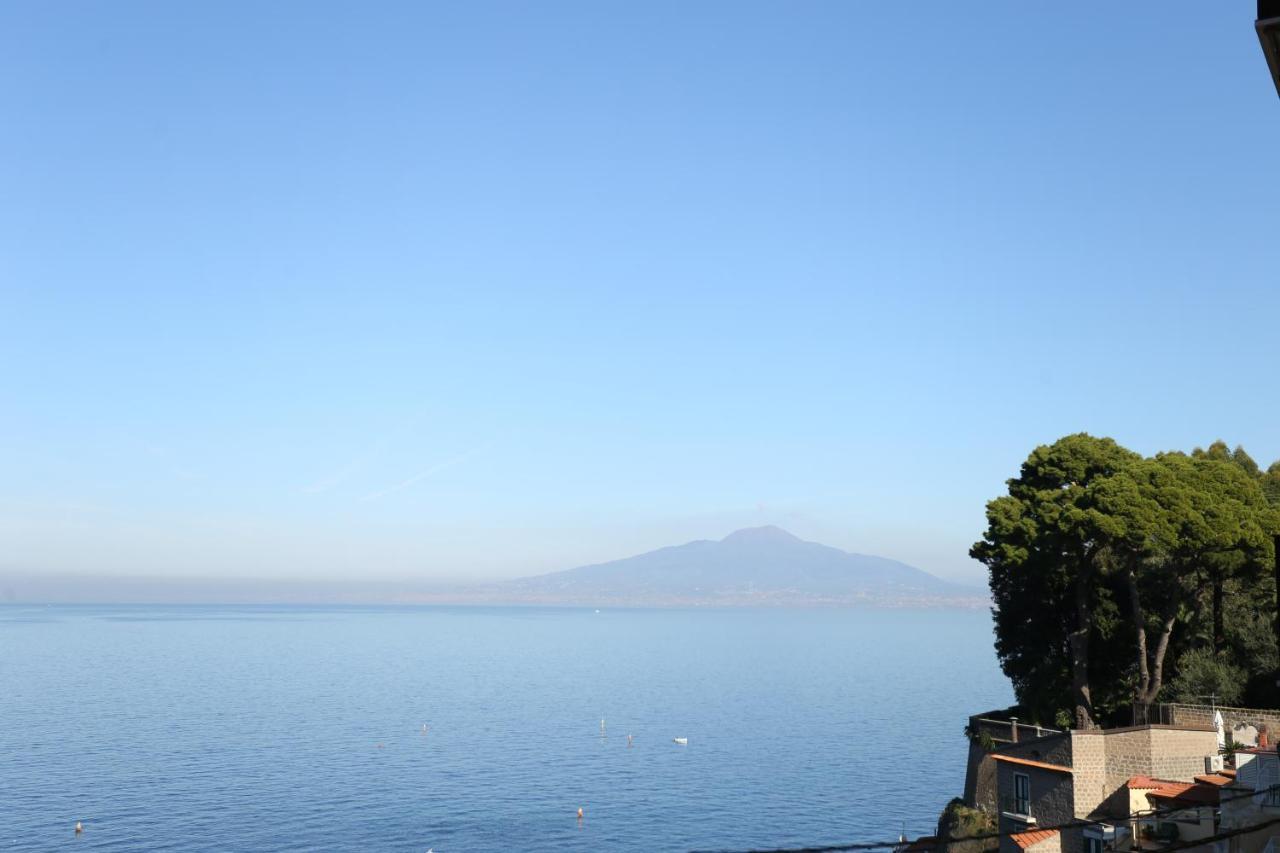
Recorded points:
383,290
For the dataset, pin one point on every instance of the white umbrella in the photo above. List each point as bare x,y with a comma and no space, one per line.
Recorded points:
1221,727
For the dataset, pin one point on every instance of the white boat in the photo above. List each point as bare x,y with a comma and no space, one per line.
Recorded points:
683,741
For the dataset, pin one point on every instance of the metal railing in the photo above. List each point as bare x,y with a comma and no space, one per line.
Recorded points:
1004,729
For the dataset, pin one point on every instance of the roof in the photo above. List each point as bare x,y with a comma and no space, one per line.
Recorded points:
1187,792
1032,837
1203,791
1219,779
1146,782
1027,762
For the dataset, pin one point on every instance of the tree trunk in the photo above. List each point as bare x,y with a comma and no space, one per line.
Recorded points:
1157,670
1219,630
1150,673
1080,656
1140,629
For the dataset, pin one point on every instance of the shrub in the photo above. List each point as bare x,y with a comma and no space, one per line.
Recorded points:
1202,674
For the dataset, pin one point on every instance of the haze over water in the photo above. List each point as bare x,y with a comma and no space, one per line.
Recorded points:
256,728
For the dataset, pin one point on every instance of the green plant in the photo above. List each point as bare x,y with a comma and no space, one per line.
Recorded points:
980,737
958,825
1202,673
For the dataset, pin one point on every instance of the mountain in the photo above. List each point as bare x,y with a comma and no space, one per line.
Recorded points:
758,565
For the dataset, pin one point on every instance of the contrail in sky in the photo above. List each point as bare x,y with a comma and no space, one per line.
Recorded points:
372,452
335,479
422,475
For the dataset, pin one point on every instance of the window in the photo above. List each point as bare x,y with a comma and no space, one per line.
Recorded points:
1092,845
1021,793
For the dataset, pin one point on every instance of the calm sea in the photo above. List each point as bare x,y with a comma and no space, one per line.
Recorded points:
297,728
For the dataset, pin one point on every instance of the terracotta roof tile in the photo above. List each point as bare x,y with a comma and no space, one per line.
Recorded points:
1147,782
1190,793
1218,779
1027,762
1203,791
1032,836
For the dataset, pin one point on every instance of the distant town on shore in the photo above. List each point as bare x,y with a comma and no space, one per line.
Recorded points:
755,567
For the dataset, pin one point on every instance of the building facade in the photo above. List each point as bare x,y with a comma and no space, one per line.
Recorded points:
1251,804
1077,783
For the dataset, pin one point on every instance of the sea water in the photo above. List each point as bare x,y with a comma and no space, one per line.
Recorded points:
301,728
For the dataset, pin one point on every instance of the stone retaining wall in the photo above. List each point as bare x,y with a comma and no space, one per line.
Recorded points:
1240,723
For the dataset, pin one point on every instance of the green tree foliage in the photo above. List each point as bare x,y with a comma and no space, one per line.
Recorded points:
1271,484
1251,644
1203,675
1242,628
1043,546
1107,569
1199,522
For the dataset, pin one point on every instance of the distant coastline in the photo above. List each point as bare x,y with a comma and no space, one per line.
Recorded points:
757,567
59,590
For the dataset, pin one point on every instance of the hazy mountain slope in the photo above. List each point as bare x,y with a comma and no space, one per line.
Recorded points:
760,562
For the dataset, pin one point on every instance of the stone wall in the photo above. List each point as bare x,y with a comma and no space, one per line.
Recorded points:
1178,753
1051,801
980,785
1001,731
1202,715
1089,761
1104,760
980,779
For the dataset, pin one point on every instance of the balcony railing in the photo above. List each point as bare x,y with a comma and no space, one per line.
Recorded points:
1010,730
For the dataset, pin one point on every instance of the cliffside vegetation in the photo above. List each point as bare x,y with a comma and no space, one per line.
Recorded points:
1122,580
959,822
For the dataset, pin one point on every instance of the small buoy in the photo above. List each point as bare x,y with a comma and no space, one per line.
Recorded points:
424,728
579,812
79,828
628,741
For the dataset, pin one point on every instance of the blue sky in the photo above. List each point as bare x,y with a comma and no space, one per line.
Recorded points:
480,290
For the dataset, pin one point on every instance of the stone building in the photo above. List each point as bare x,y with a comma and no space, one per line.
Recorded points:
1163,811
1075,785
